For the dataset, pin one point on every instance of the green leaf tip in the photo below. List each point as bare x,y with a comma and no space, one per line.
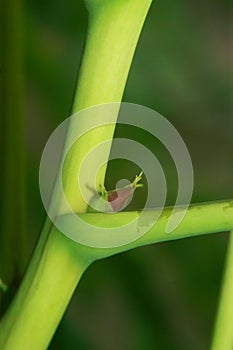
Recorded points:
136,181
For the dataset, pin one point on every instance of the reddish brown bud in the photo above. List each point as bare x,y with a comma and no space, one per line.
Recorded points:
119,198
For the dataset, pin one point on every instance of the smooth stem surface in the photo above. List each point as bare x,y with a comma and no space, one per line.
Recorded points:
113,32
33,319
12,226
113,46
223,332
199,219
58,272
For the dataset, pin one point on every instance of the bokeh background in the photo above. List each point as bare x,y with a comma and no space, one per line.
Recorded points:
162,296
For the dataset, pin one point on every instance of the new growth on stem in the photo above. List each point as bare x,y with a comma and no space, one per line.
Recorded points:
114,200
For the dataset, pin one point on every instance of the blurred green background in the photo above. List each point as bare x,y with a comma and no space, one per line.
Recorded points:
163,296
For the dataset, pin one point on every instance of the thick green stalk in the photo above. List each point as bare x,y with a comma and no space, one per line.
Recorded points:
62,262
113,32
223,332
114,28
199,219
58,272
12,227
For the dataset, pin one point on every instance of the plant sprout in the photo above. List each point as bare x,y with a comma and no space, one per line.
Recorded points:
114,200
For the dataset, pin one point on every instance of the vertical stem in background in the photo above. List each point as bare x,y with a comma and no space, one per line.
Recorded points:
223,332
13,232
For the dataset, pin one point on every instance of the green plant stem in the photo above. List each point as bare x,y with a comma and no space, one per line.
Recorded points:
113,32
199,219
114,28
62,262
12,227
223,332
58,272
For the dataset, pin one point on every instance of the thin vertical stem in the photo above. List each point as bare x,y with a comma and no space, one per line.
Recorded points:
12,230
223,332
